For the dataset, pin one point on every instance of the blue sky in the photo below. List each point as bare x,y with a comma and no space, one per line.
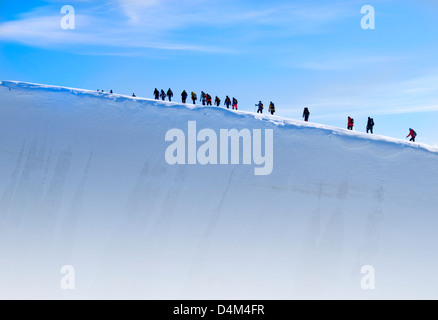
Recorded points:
295,53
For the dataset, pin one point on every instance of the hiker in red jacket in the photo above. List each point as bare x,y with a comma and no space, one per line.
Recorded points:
209,99
350,123
412,134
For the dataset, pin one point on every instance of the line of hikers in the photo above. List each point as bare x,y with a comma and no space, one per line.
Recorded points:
371,124
369,128
206,99
271,107
163,95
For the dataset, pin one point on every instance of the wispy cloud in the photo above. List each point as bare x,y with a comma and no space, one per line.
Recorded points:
298,16
134,9
344,63
45,31
159,24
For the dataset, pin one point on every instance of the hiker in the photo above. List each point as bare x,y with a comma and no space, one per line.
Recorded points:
111,91
170,94
227,102
163,95
260,105
209,100
272,108
133,95
234,103
217,101
194,97
370,125
350,123
203,97
412,134
184,96
156,94
306,114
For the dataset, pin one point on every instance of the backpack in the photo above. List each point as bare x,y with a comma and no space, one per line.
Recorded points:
352,121
415,134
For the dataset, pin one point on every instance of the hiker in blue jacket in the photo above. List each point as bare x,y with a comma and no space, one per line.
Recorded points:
260,107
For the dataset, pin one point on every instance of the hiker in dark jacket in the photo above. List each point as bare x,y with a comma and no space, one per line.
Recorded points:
163,95
272,108
260,107
306,114
234,103
217,101
209,100
370,125
227,102
170,94
184,96
156,94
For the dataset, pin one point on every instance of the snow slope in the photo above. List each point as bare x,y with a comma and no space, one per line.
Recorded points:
84,182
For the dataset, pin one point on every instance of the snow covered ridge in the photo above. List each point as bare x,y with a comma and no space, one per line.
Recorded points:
276,120
85,189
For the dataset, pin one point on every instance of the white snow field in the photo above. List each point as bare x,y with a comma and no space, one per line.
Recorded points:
84,183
